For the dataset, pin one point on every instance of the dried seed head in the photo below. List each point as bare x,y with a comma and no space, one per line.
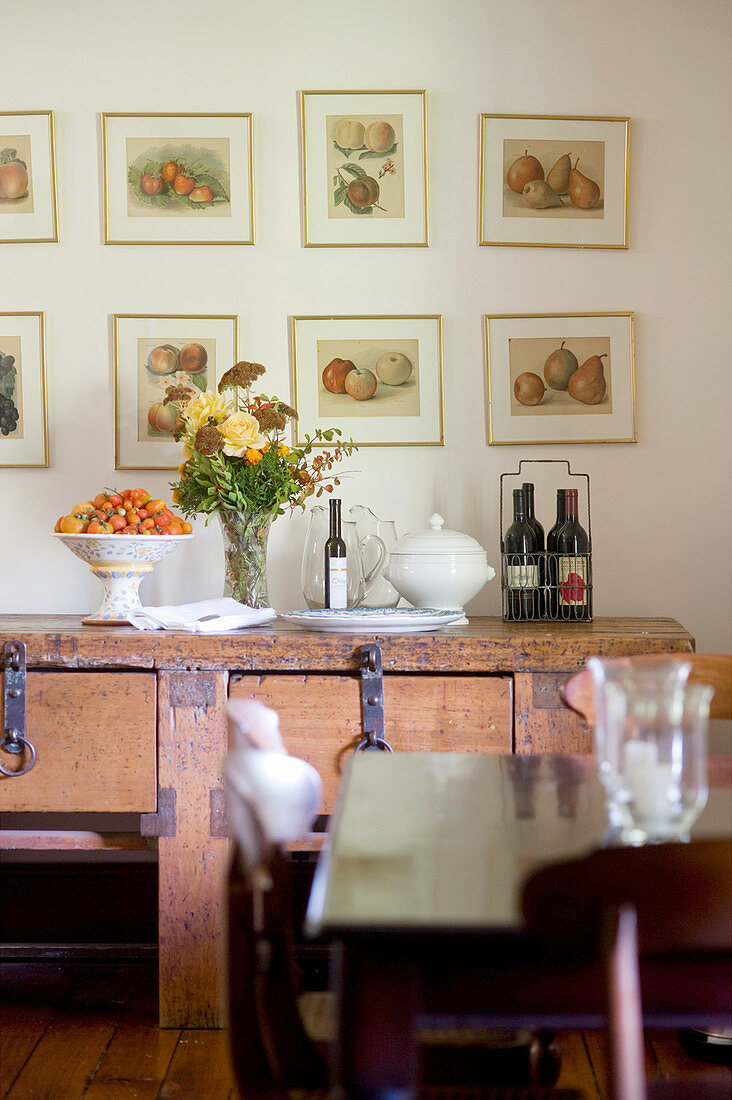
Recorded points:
241,374
208,440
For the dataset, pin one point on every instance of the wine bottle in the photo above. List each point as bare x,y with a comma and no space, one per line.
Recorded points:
528,488
522,570
551,555
336,580
573,565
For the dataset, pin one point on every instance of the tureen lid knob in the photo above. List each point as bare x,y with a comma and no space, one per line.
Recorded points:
436,521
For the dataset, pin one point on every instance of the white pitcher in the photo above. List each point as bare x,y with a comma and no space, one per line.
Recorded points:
381,592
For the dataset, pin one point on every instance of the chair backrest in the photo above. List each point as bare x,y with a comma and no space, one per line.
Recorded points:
682,894
706,668
273,799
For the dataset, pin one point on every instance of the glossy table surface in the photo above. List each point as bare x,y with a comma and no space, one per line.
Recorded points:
445,841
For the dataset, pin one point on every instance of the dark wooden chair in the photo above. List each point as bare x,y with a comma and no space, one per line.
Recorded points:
659,919
706,668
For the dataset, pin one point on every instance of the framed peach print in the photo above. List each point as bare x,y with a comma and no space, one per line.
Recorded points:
554,181
364,169
28,200
178,179
23,418
560,378
378,379
152,353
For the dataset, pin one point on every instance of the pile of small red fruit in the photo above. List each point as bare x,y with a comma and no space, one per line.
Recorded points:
131,512
176,176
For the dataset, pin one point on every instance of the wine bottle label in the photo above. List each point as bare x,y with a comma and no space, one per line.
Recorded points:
572,580
522,576
338,582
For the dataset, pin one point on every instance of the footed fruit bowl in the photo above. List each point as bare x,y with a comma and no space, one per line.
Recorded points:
120,562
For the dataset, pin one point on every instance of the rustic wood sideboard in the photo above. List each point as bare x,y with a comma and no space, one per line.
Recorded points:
135,722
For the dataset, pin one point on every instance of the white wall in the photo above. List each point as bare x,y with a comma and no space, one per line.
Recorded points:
660,508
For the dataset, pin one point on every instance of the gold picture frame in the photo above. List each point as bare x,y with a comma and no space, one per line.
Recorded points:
364,169
535,391
28,192
178,178
23,410
532,191
152,351
396,363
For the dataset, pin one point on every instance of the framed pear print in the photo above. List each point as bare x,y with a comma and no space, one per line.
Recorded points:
23,419
178,179
554,181
364,169
560,378
28,201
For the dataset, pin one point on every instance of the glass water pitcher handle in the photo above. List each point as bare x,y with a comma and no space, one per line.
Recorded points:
371,575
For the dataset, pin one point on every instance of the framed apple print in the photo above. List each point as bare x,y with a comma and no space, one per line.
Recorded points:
364,169
560,378
152,353
378,379
28,201
178,179
554,181
23,420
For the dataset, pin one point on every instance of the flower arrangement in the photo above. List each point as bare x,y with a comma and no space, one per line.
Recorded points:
236,458
238,466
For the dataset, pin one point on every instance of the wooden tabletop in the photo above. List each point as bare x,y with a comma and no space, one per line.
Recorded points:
446,840
486,644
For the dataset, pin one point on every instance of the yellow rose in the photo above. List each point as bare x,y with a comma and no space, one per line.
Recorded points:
241,432
205,407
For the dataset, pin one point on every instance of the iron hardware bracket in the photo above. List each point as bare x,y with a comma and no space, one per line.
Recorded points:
372,701
14,739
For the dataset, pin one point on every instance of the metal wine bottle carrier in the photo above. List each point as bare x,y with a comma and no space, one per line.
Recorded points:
548,606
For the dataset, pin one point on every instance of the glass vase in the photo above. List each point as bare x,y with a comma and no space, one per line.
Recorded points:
245,537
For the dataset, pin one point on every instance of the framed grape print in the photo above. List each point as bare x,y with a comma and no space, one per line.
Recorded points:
554,181
560,378
178,179
364,169
152,353
28,200
378,379
23,418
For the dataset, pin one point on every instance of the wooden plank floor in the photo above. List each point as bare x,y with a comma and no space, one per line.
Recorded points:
88,1031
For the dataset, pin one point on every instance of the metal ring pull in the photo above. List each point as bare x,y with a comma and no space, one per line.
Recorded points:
371,741
17,745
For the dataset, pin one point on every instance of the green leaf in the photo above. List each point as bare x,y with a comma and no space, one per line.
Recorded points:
369,155
340,195
7,382
7,155
354,169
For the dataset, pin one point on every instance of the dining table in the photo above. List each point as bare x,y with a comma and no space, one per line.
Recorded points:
418,890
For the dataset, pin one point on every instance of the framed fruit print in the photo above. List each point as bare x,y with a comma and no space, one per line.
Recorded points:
364,169
178,179
554,181
28,201
151,354
560,378
379,379
23,419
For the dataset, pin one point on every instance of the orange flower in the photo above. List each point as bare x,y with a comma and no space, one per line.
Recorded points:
252,457
282,450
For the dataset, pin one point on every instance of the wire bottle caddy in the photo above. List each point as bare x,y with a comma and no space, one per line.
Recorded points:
546,577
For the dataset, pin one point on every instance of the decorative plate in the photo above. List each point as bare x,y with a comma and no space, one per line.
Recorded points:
396,620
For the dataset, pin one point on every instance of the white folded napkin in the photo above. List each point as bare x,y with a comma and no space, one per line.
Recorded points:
206,617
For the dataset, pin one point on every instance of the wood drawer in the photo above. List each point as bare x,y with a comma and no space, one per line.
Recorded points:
320,716
95,740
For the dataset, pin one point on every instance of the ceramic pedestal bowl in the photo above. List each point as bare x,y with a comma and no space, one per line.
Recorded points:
120,562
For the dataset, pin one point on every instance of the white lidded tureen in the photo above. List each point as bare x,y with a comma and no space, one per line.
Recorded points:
438,568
